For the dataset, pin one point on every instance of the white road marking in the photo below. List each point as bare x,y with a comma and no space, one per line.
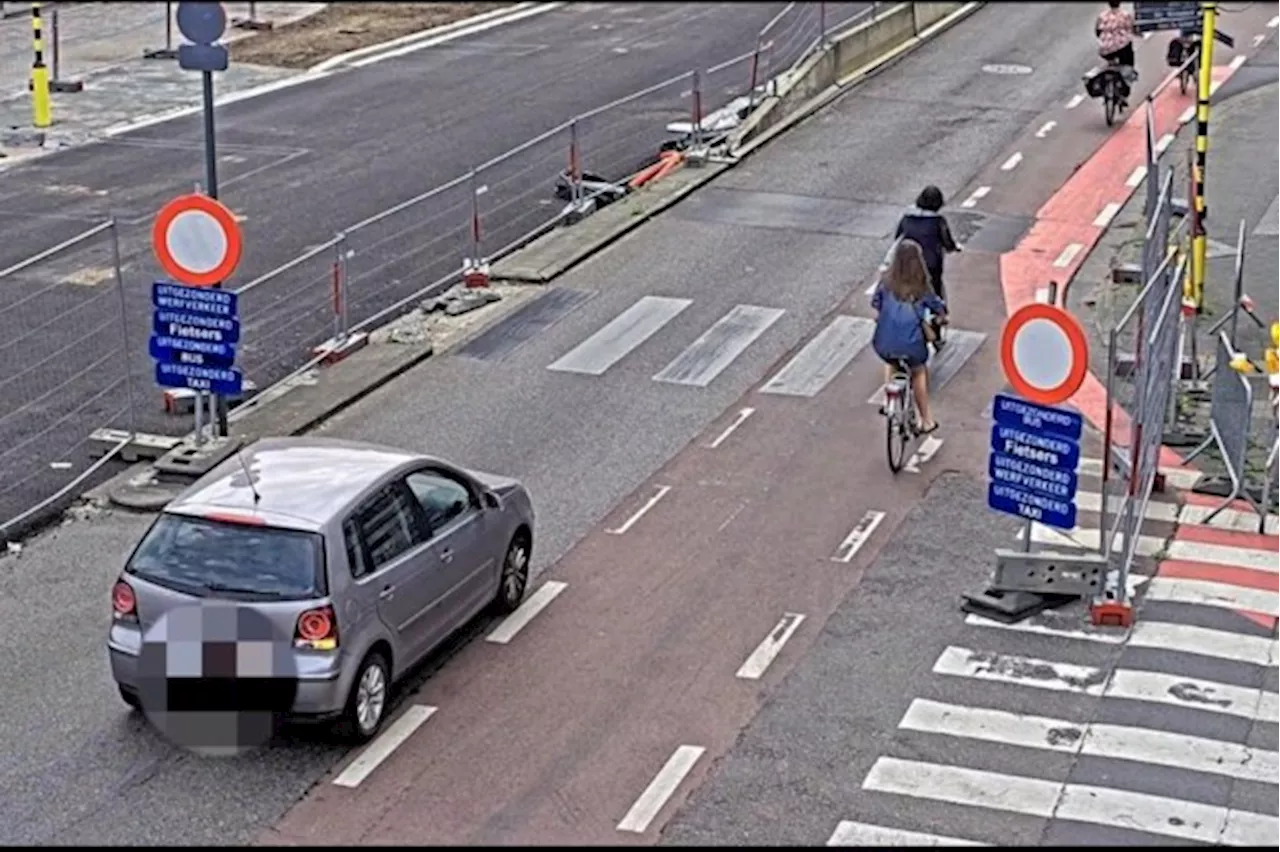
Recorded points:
1235,64
1112,637
1104,217
1114,742
732,427
382,747
1269,224
1078,802
871,288
1024,671
1068,254
1259,39
1177,478
1187,115
534,604
1091,501
1190,639
928,449
620,335
719,346
640,513
1045,128
660,789
1163,143
822,358
1213,89
975,196
1042,295
1011,163
413,47
768,650
1075,101
854,541
1227,519
1207,593
1216,554
1136,176
1204,695
1088,539
1271,24
849,833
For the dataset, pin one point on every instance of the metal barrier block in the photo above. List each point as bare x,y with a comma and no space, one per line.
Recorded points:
141,446
1127,273
334,350
1010,607
1049,573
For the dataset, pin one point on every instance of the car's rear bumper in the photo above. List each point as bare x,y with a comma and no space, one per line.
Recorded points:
319,695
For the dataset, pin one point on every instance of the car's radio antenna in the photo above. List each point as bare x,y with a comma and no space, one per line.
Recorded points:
248,477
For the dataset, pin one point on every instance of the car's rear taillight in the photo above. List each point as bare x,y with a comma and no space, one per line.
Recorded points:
317,630
124,603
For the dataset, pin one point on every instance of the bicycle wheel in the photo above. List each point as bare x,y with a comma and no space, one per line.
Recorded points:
1183,78
1109,103
896,434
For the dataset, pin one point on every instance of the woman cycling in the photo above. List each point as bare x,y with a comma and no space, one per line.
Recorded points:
903,301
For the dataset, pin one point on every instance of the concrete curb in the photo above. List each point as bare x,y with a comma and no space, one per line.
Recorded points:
497,17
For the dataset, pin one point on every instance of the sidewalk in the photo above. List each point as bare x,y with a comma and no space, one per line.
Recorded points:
102,45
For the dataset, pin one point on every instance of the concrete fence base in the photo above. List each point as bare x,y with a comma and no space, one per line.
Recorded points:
848,53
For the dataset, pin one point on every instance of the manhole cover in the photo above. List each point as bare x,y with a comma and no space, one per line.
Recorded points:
1001,68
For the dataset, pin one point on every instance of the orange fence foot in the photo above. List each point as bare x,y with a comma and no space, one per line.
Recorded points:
1111,614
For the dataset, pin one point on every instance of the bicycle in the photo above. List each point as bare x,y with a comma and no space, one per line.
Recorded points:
1111,84
899,414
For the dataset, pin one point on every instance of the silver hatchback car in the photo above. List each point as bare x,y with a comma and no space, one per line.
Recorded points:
360,559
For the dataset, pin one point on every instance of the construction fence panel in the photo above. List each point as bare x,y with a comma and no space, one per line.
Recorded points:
516,194
66,345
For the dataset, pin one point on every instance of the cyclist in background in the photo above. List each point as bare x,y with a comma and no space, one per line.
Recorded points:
925,225
1115,29
904,301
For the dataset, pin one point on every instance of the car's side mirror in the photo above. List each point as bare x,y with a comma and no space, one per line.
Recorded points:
492,501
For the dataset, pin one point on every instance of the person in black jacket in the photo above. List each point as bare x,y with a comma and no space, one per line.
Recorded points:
925,225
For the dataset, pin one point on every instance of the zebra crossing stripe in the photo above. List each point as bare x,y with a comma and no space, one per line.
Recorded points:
622,334
1207,593
1118,742
1130,684
719,346
822,358
1075,802
1191,639
850,833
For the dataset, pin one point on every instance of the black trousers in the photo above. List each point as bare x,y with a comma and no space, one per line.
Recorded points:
1123,56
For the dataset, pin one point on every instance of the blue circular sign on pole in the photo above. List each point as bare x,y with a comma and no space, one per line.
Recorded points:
202,23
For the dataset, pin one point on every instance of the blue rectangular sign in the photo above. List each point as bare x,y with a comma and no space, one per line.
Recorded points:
182,350
1028,476
194,300
218,380
1034,507
211,329
1041,419
1027,445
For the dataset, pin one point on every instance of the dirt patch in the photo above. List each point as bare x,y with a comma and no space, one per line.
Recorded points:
341,27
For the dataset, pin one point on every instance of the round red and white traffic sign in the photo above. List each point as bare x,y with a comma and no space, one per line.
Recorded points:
197,240
1044,354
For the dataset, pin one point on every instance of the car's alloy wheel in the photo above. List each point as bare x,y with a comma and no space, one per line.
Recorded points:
515,574
371,698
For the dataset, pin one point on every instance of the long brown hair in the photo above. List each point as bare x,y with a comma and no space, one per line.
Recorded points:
907,278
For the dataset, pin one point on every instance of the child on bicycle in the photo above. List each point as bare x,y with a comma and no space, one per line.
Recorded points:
904,302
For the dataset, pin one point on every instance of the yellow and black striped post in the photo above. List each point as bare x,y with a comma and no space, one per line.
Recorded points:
1199,237
41,108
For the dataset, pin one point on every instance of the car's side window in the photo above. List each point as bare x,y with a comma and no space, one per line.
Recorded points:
388,526
355,549
443,498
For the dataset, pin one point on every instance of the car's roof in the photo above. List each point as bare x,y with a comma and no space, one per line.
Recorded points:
308,479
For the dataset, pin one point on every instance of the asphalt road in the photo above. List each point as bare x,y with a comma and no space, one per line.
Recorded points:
644,639
582,443
302,163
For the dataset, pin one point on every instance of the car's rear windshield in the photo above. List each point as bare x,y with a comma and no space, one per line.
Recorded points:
213,558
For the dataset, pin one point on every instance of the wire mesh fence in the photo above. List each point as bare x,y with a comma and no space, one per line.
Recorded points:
65,341
365,274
